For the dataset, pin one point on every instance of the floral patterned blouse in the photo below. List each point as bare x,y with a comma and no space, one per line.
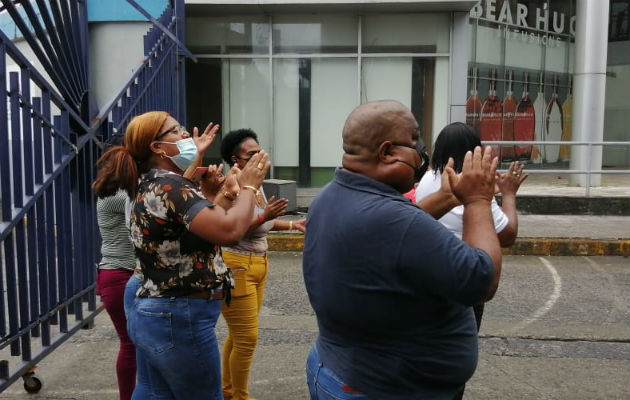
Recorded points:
174,261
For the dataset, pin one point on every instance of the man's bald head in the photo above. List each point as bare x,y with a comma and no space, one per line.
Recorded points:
371,123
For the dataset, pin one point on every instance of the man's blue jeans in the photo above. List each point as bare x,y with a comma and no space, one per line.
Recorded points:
177,351
324,384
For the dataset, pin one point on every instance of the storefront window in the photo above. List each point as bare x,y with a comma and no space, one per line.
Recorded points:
617,112
298,95
520,77
246,97
409,33
315,34
228,35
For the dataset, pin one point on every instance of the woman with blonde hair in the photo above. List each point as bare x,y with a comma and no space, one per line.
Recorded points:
176,228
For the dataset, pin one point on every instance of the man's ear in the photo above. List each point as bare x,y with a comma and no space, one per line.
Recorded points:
385,153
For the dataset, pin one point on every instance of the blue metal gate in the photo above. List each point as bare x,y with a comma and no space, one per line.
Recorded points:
50,138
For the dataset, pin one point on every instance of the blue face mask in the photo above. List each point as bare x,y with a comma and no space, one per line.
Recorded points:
187,153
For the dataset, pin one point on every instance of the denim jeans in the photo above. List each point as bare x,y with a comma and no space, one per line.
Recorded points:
177,351
324,384
143,385
129,295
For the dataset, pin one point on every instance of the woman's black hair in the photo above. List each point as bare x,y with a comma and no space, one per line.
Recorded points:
231,141
453,141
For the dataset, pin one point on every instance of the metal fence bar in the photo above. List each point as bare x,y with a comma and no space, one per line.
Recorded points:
48,224
38,272
5,183
13,247
61,231
51,231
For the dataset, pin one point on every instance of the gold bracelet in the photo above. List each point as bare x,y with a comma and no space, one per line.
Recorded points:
290,225
253,189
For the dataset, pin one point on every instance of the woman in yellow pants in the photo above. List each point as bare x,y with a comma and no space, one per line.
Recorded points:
249,262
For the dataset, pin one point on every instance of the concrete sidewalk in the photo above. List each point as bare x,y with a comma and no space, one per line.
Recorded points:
561,335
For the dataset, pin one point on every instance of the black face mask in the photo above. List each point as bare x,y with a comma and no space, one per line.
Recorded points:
418,172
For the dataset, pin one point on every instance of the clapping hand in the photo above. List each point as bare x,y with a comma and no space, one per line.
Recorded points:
230,186
212,181
274,209
510,181
477,180
255,170
446,178
204,140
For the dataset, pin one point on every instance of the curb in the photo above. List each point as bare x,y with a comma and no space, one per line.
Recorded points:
571,205
522,247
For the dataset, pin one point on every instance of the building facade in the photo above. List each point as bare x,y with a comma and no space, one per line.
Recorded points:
292,71
520,79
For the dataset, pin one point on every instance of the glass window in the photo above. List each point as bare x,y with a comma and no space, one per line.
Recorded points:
228,35
410,80
617,114
286,112
519,76
406,33
246,97
618,26
309,34
397,86
312,98
333,96
316,80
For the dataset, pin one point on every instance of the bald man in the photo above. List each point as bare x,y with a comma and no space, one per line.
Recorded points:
392,289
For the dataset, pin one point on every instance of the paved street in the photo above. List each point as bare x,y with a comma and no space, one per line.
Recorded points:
557,329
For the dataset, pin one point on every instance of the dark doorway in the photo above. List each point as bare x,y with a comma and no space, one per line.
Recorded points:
204,101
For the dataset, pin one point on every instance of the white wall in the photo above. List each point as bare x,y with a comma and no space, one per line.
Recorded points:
116,51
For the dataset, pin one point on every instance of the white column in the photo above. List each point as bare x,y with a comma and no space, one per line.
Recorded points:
460,55
589,86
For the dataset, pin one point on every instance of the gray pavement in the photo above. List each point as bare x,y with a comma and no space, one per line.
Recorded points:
574,226
556,329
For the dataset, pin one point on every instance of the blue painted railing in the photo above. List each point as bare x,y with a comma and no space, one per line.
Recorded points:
49,143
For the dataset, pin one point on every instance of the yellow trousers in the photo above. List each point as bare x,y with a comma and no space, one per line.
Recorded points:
250,276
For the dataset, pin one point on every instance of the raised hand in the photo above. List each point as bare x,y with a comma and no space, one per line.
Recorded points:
212,180
230,186
448,175
509,182
204,140
274,208
255,170
477,180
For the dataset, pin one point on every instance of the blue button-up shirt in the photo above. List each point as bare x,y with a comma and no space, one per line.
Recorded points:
392,290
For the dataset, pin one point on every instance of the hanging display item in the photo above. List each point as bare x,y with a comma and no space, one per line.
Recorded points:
539,127
567,109
473,103
491,115
553,125
524,122
507,127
